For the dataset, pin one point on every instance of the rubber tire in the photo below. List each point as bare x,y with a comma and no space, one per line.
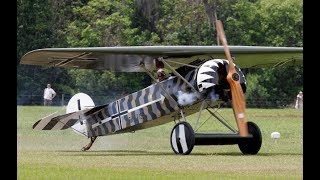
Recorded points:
190,139
252,145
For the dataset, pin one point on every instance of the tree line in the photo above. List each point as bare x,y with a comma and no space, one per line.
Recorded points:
92,23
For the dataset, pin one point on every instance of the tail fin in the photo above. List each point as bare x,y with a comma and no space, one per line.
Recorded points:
77,103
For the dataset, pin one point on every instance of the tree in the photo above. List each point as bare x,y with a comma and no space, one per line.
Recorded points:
39,26
281,22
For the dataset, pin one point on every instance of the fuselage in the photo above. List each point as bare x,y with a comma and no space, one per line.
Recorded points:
151,106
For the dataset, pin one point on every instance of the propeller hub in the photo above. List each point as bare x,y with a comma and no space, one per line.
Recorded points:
235,76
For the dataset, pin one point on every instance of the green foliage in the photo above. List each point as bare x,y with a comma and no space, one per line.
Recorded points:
99,23
33,29
264,23
82,23
184,23
281,22
243,24
255,91
280,85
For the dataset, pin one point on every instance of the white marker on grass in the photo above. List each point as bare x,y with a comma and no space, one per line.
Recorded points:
275,136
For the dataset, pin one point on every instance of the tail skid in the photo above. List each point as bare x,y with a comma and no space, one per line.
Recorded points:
88,146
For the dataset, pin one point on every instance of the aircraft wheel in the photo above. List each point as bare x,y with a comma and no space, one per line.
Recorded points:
253,145
182,138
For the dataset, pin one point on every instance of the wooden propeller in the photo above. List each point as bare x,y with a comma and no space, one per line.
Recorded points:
233,78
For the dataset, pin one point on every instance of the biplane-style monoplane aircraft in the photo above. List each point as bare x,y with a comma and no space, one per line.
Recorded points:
201,79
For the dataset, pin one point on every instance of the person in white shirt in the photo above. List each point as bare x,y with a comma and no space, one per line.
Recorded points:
48,95
299,101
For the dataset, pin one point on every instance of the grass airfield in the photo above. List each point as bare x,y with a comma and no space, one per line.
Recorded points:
147,154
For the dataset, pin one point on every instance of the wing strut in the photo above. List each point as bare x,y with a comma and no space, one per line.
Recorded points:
160,85
233,78
178,75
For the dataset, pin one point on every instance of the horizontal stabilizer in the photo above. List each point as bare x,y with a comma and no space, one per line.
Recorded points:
52,122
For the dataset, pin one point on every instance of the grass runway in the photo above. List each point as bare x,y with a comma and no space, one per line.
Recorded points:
147,154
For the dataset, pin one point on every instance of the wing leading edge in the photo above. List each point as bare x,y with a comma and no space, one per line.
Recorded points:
128,58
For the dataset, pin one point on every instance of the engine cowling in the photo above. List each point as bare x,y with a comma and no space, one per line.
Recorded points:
211,79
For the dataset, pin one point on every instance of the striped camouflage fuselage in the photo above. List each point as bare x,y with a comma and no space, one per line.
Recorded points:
152,105
148,107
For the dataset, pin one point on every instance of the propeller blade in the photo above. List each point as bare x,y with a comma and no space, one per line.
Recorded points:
233,78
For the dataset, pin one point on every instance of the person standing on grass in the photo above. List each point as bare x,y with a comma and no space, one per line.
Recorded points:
48,95
299,101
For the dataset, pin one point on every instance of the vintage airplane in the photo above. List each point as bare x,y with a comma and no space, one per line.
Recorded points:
201,79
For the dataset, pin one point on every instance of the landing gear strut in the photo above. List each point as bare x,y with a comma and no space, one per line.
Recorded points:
88,146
